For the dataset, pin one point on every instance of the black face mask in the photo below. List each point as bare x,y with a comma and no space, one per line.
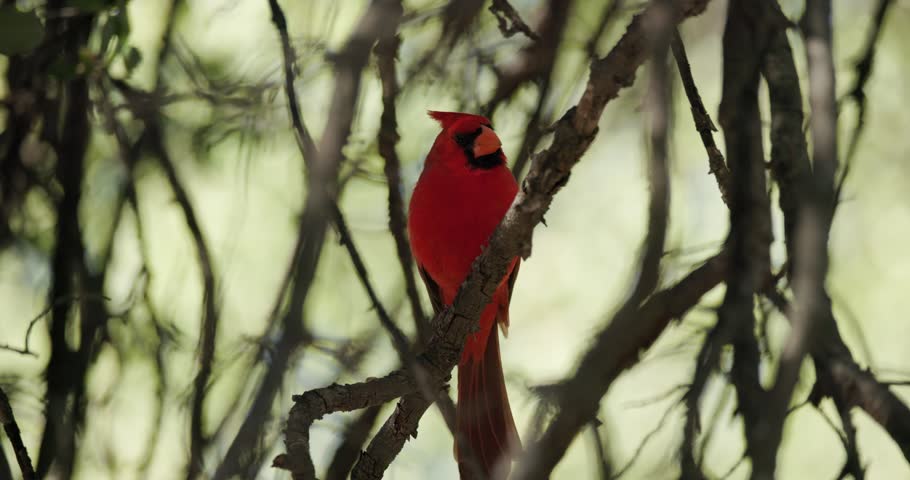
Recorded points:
486,162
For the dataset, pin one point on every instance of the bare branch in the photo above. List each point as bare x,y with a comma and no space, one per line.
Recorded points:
15,438
505,13
209,324
386,50
68,129
810,266
705,364
606,18
600,451
313,404
399,339
379,21
578,398
853,464
840,377
858,91
323,163
302,134
644,441
535,62
355,436
750,217
703,123
65,301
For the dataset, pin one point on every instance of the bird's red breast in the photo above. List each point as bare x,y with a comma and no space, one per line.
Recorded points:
462,195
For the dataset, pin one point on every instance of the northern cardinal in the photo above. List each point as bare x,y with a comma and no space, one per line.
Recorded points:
463,192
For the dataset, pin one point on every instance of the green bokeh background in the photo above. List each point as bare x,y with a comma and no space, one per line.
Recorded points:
247,190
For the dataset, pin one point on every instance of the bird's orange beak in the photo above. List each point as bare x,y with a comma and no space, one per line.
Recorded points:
486,143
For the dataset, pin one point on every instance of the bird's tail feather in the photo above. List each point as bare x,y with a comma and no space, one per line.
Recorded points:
484,418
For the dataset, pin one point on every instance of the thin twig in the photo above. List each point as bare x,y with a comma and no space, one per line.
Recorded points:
703,123
302,135
644,441
749,237
15,437
386,50
210,316
600,452
379,21
853,465
606,19
399,339
858,91
505,14
69,299
705,364
811,261
355,435
535,62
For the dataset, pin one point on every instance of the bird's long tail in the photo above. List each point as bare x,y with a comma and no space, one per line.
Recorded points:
484,418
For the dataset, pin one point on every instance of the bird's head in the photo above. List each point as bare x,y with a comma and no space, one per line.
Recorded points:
473,135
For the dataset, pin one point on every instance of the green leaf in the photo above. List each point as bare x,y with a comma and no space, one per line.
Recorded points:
20,32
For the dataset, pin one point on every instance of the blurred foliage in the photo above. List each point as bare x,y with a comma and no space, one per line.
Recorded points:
212,70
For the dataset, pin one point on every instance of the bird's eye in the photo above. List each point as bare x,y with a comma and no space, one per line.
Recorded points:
465,140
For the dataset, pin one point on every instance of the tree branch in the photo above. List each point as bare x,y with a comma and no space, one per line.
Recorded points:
399,339
750,217
209,325
578,398
386,50
810,266
302,135
505,13
355,436
702,119
15,437
858,91
837,373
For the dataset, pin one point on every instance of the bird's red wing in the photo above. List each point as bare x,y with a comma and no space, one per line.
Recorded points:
432,289
503,315
512,277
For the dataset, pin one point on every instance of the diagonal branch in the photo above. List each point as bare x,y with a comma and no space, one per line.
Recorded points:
858,90
579,397
810,265
399,339
534,62
837,373
15,437
302,135
355,436
323,163
209,325
750,217
386,51
702,119
505,14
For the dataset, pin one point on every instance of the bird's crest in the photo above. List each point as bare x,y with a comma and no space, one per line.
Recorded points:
447,119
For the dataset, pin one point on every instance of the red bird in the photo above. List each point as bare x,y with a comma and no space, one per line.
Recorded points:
463,192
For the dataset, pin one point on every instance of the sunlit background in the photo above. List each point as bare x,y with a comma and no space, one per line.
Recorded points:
244,174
